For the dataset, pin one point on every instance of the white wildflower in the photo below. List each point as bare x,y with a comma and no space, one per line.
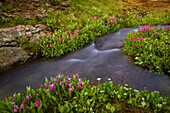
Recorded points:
109,79
143,104
125,93
98,79
159,105
85,93
101,91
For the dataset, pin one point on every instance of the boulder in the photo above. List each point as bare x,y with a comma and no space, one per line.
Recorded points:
11,55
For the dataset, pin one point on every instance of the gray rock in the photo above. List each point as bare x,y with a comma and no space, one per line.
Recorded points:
11,55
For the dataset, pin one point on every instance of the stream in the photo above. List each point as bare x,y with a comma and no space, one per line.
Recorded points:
104,58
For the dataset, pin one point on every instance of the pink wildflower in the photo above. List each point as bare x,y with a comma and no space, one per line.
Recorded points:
62,82
111,21
21,106
69,31
133,40
66,31
51,46
77,75
70,90
107,22
13,95
136,43
41,85
139,46
70,84
67,37
95,17
47,46
36,104
133,37
77,30
133,34
102,22
62,37
15,110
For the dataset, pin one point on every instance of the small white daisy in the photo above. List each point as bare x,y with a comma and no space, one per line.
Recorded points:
98,79
159,105
101,91
143,104
109,79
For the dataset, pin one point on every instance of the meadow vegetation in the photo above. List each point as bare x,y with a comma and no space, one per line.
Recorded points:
79,25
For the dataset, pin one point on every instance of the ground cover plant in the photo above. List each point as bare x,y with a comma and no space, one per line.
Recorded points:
70,95
150,47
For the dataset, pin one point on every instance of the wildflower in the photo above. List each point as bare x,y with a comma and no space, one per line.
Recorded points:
133,40
125,93
41,85
68,78
161,98
67,37
109,79
139,46
66,31
98,79
70,84
13,95
58,77
135,90
45,35
107,22
49,35
114,18
143,30
15,110
85,93
143,104
78,86
50,41
67,82
91,109
69,31
126,85
70,90
28,101
37,94
47,46
118,18
157,33
77,75
90,100
163,102
75,105
111,21
12,102
111,18
36,104
27,97
143,99
159,105
101,91
61,83
155,27
141,38
125,88
77,30
102,22
111,82
15,106
95,17
133,37
62,38
136,43
21,106
133,34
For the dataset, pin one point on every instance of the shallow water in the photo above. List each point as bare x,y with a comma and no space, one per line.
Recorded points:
104,58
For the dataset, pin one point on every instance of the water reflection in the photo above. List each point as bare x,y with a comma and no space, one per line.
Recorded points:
104,58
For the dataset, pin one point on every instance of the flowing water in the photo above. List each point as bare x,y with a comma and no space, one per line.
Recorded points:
104,58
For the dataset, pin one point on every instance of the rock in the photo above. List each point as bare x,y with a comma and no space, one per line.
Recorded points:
65,3
11,55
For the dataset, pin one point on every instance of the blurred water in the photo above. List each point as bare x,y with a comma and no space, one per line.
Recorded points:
104,58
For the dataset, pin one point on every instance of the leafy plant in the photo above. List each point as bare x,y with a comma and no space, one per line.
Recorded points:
65,95
150,48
